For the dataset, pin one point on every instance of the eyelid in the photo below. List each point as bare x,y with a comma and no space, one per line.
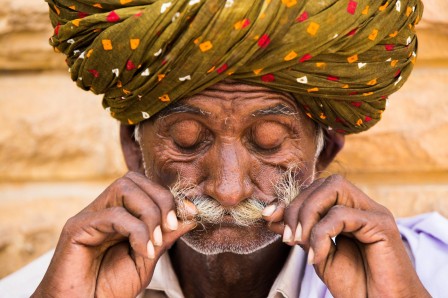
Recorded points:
255,146
268,151
193,149
292,130
198,146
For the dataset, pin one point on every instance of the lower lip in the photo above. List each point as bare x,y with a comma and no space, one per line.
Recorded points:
227,221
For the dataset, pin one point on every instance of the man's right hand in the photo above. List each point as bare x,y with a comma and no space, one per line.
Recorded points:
110,248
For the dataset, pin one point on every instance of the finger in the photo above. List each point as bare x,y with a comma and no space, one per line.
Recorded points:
274,212
135,270
107,227
346,251
365,226
334,190
173,236
127,194
279,228
291,216
276,227
161,196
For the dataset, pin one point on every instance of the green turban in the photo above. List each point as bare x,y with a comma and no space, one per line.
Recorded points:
340,59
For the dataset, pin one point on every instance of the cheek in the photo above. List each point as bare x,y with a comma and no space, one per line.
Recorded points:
160,158
271,169
268,175
167,170
265,176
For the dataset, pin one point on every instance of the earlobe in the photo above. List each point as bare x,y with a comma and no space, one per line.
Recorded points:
131,149
334,142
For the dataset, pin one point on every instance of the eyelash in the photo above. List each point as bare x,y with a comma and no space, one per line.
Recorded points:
258,149
188,150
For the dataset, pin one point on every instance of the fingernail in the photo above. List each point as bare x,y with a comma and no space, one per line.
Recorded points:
269,210
287,234
157,235
150,249
298,235
190,208
171,220
311,256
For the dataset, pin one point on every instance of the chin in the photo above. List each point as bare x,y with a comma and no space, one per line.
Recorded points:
229,238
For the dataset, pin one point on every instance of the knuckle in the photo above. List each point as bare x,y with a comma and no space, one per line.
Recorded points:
131,174
337,210
70,225
121,184
303,211
152,215
71,222
73,225
295,204
336,179
314,235
386,218
120,214
166,200
385,211
141,229
317,181
117,213
290,210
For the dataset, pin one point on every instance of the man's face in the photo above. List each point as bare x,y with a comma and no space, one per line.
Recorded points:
232,142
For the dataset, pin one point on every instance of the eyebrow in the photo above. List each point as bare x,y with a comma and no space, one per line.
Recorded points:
279,109
182,108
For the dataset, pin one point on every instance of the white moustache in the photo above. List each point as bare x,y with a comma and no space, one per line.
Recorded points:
246,213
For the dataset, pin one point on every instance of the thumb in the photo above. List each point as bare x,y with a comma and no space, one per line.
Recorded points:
171,237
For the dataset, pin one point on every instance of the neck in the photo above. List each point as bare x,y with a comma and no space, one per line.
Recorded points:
228,274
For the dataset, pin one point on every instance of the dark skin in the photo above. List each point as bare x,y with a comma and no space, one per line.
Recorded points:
231,146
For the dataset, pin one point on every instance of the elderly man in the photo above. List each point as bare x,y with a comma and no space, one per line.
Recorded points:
230,110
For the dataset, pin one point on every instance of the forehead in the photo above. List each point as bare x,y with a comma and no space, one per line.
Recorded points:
234,98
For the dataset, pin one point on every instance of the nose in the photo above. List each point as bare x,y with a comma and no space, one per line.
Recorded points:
228,179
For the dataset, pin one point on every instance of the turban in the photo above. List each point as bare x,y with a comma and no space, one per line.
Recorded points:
340,59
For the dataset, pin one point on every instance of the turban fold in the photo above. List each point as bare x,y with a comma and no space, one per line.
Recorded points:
340,59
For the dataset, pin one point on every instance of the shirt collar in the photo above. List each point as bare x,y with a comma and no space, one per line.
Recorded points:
287,283
165,279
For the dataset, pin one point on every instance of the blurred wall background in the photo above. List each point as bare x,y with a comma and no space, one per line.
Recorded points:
59,149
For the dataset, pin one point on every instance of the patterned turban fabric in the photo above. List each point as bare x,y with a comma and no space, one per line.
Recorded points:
340,59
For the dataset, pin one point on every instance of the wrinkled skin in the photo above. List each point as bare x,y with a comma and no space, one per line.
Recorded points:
230,151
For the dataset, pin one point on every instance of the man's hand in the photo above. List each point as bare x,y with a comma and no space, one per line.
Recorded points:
369,258
110,248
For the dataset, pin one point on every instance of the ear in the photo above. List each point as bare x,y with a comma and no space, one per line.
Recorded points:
131,149
334,142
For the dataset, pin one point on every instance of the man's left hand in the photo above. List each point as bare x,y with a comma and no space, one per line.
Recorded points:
368,259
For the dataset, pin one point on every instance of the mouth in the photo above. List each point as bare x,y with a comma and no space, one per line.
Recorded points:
229,221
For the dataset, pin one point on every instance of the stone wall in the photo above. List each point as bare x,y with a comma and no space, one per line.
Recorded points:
59,149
